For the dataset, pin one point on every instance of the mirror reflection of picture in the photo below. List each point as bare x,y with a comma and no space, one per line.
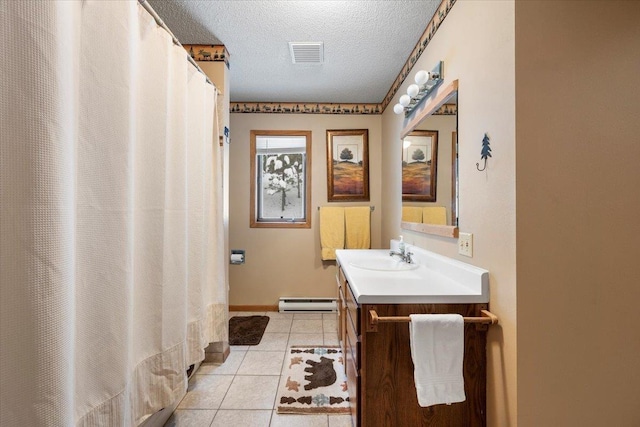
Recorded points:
419,166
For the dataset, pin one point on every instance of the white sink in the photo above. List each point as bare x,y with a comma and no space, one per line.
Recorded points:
376,278
384,264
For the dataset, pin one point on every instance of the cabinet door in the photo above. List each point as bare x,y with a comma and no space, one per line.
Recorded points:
352,371
388,392
353,309
342,319
341,283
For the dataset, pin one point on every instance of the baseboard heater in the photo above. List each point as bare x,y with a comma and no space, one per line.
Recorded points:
308,305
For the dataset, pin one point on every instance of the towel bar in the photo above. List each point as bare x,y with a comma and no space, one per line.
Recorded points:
487,318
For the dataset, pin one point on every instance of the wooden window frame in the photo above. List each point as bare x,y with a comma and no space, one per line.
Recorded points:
253,216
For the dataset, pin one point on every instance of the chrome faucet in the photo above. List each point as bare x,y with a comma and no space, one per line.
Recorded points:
405,256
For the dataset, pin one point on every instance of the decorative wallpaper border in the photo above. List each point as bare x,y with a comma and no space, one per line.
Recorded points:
446,110
304,108
322,108
208,52
429,32
219,53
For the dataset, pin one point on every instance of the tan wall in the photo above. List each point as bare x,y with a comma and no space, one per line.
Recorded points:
578,205
218,73
286,262
476,43
574,359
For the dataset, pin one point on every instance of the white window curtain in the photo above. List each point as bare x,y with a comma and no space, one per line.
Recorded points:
111,248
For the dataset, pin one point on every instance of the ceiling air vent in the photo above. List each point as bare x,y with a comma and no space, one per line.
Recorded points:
306,52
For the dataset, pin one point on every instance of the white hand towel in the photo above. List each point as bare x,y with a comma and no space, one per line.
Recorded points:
437,350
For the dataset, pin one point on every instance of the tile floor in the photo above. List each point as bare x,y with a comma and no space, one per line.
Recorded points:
242,391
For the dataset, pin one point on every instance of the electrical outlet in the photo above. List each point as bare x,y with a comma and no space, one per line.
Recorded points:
465,244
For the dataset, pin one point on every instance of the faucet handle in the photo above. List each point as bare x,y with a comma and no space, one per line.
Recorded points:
407,257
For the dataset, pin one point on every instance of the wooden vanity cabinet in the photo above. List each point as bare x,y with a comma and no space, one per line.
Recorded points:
349,335
379,368
341,281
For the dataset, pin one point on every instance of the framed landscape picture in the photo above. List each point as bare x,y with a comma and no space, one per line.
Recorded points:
419,163
347,165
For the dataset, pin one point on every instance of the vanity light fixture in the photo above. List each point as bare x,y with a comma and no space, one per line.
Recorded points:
425,82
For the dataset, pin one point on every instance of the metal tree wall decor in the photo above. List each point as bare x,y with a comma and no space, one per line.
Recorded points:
485,152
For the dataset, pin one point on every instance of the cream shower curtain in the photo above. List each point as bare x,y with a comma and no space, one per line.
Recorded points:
111,267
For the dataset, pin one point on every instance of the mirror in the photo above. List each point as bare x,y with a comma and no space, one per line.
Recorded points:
430,168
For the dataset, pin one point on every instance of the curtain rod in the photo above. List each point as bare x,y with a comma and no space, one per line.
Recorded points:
161,23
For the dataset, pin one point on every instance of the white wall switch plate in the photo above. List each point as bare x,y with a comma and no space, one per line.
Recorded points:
465,244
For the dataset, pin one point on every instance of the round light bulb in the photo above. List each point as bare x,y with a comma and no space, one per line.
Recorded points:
413,90
398,109
405,100
422,77
406,144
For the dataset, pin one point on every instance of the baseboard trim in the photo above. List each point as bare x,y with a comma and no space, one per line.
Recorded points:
253,308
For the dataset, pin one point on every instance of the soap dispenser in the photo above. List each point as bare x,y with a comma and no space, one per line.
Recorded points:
401,246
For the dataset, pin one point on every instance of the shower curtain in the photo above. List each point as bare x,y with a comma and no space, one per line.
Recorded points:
111,232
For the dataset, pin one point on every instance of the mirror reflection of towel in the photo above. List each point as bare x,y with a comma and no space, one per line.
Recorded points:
358,227
331,231
411,214
434,215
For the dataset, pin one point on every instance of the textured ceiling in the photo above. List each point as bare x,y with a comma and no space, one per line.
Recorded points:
366,43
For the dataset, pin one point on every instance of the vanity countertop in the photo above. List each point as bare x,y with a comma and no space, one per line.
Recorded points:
436,280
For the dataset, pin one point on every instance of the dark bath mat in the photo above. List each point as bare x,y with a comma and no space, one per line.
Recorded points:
247,330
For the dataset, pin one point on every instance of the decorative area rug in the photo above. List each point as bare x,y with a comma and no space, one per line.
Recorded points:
313,382
247,330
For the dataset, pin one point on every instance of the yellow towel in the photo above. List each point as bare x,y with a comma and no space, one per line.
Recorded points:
411,214
331,231
358,227
434,215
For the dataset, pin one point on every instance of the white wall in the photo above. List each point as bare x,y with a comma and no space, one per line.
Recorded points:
476,43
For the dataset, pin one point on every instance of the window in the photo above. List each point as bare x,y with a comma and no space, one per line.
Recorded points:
280,179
